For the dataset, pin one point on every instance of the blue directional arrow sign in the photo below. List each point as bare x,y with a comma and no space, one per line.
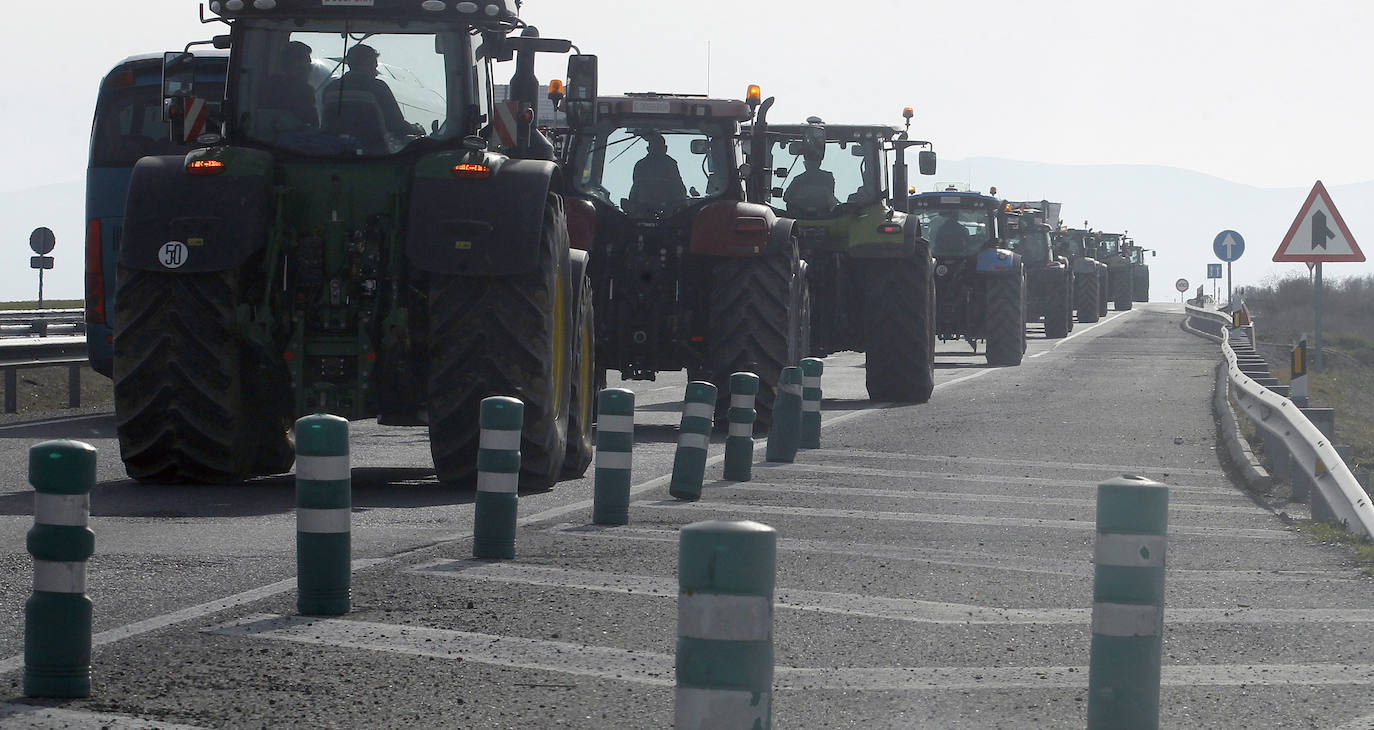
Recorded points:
1228,245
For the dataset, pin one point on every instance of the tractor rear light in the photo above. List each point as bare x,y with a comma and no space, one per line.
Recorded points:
471,171
205,167
95,281
889,228
123,78
288,356
697,338
750,224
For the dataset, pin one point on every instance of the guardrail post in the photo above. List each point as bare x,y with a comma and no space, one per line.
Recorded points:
693,439
615,440
739,444
498,478
811,368
784,433
57,616
1302,481
1128,604
324,506
11,390
726,573
1298,380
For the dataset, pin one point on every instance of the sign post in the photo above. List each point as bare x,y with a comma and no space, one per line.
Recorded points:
1318,235
1228,246
1182,286
42,242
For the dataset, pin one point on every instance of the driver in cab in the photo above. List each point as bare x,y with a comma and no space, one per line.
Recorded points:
657,184
813,192
362,77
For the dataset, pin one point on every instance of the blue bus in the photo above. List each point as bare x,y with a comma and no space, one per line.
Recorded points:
128,125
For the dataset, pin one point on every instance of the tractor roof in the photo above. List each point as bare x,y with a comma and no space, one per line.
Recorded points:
958,198
492,14
838,131
672,105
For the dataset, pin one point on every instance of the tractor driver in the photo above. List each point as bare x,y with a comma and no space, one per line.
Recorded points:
951,237
290,91
657,184
813,192
362,76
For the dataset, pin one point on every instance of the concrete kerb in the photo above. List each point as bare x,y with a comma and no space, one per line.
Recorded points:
1257,479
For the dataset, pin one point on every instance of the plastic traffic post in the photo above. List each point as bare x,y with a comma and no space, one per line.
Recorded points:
1298,376
739,444
1128,604
811,369
57,616
693,438
324,505
498,478
784,433
725,626
615,440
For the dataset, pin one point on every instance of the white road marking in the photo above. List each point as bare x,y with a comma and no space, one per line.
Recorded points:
50,421
753,510
656,668
854,604
1109,468
41,716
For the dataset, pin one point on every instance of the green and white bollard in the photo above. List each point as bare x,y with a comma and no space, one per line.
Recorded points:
784,434
615,440
693,439
1128,604
57,616
739,443
725,626
324,505
498,478
811,368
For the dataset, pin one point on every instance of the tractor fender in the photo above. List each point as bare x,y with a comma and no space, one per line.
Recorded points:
781,235
478,227
735,229
997,261
1085,266
178,222
577,273
581,223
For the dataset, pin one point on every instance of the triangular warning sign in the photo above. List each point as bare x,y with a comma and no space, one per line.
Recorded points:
1318,233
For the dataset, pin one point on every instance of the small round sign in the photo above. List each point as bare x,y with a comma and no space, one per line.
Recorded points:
172,255
1181,285
42,241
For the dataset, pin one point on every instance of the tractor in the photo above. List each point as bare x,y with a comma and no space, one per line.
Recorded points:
1115,250
1090,283
980,284
1049,281
869,269
377,240
690,268
1140,271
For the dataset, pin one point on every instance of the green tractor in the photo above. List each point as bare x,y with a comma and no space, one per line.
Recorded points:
1140,271
1049,280
869,272
1114,249
1090,278
376,240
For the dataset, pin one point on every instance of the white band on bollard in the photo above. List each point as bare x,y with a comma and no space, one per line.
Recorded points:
709,709
322,468
499,439
67,510
698,410
1132,551
742,429
791,388
692,441
615,424
813,406
1127,619
52,576
322,520
742,401
490,481
613,459
724,617
811,381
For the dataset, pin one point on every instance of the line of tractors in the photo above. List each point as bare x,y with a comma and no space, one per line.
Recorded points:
368,267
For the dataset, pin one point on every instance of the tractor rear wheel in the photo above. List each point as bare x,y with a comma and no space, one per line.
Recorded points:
1057,307
582,401
1140,283
899,364
1005,326
185,407
1121,289
503,335
751,328
1104,279
1085,297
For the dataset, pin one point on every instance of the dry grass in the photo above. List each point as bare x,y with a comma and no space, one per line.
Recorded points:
47,304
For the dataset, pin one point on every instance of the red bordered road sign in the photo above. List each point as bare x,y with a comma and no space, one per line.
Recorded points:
1319,233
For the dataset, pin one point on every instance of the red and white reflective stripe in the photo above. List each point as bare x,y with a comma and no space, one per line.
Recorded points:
193,118
706,709
506,125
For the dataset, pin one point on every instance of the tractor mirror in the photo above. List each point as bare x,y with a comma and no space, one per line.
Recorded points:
858,150
780,172
580,102
222,42
777,192
178,80
701,146
925,160
538,45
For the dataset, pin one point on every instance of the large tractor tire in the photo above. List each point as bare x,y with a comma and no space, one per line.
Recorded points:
899,329
1085,297
1058,307
189,405
1104,279
1005,327
1121,290
751,327
1140,283
503,335
582,400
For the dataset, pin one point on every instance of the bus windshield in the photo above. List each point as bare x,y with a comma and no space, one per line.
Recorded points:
350,92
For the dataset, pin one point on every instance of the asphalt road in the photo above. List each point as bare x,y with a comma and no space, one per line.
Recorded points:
934,571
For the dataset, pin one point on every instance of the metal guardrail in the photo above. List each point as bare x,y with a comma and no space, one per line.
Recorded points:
35,352
22,322
1209,322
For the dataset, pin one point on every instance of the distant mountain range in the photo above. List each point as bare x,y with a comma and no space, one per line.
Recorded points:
1177,212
